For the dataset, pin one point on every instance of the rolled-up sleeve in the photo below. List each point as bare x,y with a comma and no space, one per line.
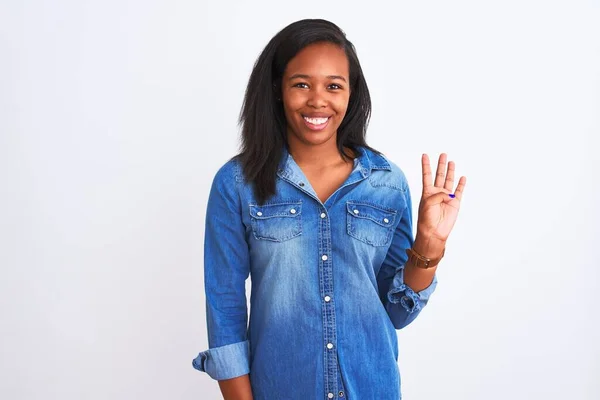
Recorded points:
402,304
224,362
226,268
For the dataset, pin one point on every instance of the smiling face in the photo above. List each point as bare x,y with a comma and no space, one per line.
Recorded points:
315,93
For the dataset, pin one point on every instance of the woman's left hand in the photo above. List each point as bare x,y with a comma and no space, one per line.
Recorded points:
437,210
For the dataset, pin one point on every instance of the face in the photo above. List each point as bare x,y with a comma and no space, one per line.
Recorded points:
315,93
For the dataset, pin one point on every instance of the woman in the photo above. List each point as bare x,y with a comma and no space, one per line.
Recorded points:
322,224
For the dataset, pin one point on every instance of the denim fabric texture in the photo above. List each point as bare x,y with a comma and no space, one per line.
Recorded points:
328,291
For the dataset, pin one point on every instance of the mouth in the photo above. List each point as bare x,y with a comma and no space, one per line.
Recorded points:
316,123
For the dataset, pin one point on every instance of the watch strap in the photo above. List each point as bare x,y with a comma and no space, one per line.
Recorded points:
420,261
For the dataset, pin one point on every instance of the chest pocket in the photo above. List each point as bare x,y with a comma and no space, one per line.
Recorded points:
369,223
276,222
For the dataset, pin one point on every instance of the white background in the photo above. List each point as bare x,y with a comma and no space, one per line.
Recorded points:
115,115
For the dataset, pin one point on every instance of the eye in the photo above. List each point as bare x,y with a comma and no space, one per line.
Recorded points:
300,85
335,86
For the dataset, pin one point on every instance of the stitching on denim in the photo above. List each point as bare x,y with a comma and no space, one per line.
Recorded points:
385,184
376,206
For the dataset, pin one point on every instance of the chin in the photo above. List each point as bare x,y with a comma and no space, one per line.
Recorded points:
311,137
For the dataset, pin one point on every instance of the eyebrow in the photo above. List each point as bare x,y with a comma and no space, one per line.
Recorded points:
303,76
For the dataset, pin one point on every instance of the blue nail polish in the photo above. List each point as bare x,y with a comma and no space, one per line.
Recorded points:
451,195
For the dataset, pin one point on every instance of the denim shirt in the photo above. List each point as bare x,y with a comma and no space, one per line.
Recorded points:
328,291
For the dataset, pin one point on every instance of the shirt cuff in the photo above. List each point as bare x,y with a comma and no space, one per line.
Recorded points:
224,362
403,294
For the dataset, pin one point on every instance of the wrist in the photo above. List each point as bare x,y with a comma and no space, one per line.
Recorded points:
430,248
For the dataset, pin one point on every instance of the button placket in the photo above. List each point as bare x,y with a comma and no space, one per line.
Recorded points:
329,323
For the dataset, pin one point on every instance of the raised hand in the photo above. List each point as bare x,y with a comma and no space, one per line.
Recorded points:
437,209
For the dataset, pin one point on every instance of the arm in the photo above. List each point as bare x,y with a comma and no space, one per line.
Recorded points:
404,289
236,388
226,268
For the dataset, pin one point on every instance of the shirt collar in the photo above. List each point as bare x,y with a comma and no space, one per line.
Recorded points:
366,162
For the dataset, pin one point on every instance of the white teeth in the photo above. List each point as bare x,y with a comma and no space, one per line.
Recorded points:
316,121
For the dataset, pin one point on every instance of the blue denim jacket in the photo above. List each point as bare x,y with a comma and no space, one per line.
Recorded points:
327,283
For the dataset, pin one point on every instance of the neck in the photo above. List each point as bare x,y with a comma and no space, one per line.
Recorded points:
319,156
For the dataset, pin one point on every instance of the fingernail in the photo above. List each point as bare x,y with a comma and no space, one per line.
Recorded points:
451,195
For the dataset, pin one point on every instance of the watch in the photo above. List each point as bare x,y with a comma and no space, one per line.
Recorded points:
421,261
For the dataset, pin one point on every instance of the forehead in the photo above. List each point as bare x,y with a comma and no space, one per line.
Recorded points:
319,59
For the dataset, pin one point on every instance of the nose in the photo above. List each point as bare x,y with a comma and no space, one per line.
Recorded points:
316,99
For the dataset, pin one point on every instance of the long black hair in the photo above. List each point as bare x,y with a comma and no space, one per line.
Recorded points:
264,126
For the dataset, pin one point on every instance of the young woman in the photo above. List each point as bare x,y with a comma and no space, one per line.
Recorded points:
322,223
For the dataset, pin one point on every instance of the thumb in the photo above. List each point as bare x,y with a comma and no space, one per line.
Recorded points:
441,197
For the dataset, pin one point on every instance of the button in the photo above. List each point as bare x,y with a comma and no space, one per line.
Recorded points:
330,395
323,215
341,394
259,214
324,257
355,211
293,211
301,184
329,346
327,298
386,220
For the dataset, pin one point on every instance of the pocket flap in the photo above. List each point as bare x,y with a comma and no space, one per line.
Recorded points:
383,216
288,209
